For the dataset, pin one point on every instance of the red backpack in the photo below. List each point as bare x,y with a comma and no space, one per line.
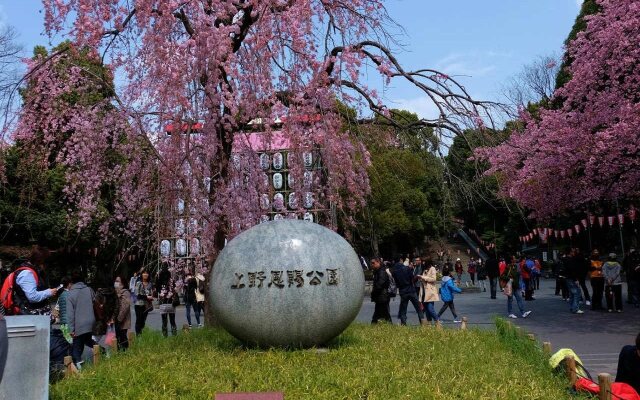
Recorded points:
6,293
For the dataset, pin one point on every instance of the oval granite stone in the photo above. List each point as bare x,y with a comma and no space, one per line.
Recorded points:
287,283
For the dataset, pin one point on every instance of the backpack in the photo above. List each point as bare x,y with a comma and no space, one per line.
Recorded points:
201,286
6,293
392,290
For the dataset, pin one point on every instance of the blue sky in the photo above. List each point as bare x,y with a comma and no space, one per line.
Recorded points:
485,41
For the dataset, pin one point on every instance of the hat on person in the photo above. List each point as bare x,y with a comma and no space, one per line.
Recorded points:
458,259
612,256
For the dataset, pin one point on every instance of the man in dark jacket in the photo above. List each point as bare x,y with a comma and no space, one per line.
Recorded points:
492,272
404,278
583,269
572,276
629,365
379,292
631,267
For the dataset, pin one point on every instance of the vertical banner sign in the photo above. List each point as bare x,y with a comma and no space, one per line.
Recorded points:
611,218
584,223
601,221
621,219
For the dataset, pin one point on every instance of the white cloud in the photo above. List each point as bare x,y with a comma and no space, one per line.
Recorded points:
422,105
579,3
462,64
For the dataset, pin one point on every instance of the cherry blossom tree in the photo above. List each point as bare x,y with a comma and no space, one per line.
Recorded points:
214,70
587,150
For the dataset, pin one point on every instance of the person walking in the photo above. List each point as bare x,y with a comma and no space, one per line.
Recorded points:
428,292
123,318
168,300
190,288
597,280
613,283
482,275
133,282
560,271
459,270
526,267
493,272
631,266
583,270
447,290
572,276
199,306
418,269
471,269
144,300
379,292
403,276
510,281
80,317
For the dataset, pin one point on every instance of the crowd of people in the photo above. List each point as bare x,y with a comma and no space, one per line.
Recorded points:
83,316
517,277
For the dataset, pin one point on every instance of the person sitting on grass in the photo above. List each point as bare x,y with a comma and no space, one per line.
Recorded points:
447,288
629,365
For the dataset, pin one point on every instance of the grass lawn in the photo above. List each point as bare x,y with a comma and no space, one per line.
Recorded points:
365,362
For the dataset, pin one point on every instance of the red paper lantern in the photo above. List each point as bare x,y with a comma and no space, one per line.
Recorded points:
584,223
611,219
592,219
601,221
577,227
562,234
569,232
632,214
621,219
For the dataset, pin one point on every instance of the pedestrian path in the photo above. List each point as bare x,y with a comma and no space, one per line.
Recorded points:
595,336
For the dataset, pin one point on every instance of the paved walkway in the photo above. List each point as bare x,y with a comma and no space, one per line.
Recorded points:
595,336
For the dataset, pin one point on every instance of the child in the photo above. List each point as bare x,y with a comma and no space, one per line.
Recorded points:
447,289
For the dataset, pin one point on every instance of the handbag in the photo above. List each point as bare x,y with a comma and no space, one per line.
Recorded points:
176,300
508,288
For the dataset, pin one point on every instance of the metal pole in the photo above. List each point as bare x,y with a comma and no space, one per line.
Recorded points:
620,228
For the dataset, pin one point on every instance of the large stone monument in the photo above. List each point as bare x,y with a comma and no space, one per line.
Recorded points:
287,283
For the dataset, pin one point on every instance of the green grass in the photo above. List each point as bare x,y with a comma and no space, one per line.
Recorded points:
365,362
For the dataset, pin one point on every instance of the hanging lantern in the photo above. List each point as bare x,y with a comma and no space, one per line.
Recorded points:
621,219
562,234
601,221
592,219
577,227
569,232
611,220
584,223
535,231
632,213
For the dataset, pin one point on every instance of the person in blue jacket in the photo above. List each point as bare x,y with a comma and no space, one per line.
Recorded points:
447,288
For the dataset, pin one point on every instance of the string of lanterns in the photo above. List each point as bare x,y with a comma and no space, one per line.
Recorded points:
585,223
